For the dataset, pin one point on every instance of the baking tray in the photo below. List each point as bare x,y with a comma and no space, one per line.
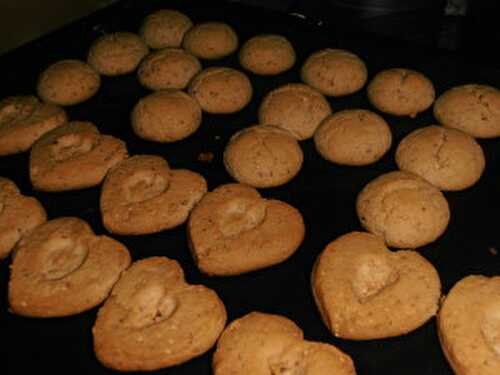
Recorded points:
324,192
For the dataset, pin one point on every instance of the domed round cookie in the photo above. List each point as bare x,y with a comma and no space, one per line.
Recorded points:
295,107
401,92
267,54
447,158
19,215
473,109
143,195
165,28
68,82
24,119
263,156
364,291
154,319
211,40
404,209
73,156
233,230
62,268
166,116
469,326
169,68
334,72
117,53
221,90
353,137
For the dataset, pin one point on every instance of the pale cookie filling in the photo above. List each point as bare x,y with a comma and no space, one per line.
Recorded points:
72,145
13,111
61,257
144,185
490,326
239,215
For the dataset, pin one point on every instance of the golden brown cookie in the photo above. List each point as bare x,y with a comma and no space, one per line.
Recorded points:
68,82
117,53
143,195
404,209
73,156
62,268
221,90
473,109
267,54
447,158
24,119
401,92
353,137
169,68
154,319
469,326
165,28
263,156
166,116
19,215
233,230
211,40
364,291
295,107
334,72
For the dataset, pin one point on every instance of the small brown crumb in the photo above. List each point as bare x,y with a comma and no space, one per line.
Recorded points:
206,157
493,251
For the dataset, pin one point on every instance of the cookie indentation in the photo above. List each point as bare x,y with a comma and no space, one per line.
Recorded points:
144,185
240,215
62,257
72,145
490,326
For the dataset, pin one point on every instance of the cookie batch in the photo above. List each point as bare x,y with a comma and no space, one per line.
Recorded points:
366,285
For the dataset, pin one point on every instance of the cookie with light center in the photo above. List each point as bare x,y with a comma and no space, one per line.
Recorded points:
211,40
165,28
267,54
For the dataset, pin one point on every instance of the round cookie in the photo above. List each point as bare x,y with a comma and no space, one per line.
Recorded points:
295,107
447,158
165,28
469,326
62,268
233,230
166,116
143,195
154,319
267,54
473,109
73,156
221,90
334,72
169,68
401,92
404,209
24,119
117,53
364,291
353,137
211,40
19,215
263,156
68,82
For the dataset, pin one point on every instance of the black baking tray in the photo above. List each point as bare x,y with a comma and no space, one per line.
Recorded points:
325,193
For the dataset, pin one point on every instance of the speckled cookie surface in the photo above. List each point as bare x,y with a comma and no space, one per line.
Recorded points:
364,291
68,82
267,54
73,156
155,319
211,40
353,137
469,326
165,28
143,195
401,92
295,107
334,72
24,119
62,268
447,158
233,230
404,209
263,156
472,108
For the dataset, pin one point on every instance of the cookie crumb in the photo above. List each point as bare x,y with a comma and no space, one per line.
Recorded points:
206,157
493,251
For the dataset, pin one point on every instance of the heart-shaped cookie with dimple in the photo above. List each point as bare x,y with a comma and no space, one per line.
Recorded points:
234,230
364,291
154,319
143,195
62,268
